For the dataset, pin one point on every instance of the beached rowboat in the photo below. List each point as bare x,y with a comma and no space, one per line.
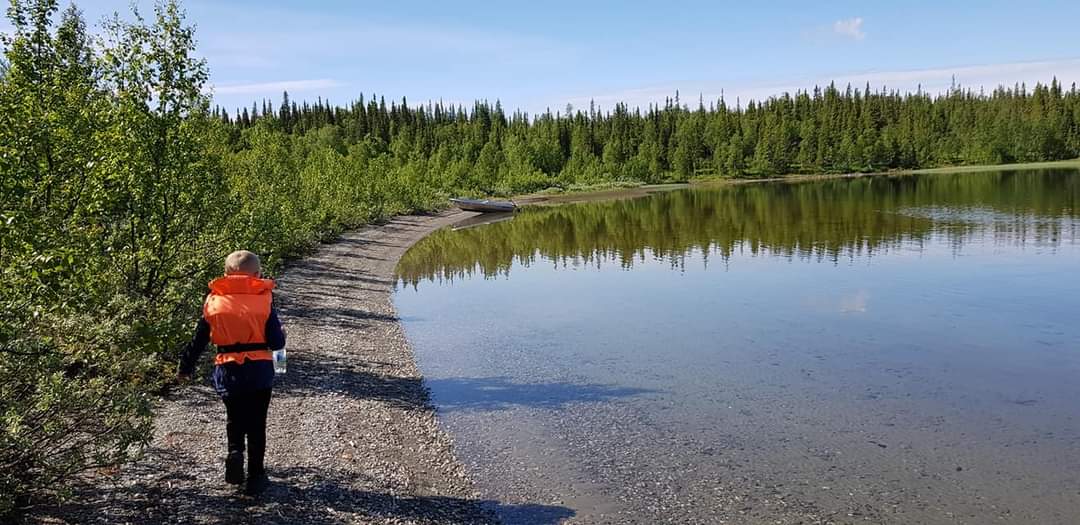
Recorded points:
486,206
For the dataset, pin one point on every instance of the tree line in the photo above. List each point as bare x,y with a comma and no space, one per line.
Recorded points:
122,189
483,149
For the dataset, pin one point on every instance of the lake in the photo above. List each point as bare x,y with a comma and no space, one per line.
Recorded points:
887,349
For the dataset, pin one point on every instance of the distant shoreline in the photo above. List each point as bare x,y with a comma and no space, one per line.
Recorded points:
1072,163
608,192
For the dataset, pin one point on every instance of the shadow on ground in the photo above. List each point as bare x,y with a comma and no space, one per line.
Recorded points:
322,372
297,495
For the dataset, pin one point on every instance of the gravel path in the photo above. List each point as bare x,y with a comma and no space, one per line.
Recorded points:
352,435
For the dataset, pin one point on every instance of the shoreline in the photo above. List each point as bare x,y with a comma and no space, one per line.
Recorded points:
352,432
552,199
352,435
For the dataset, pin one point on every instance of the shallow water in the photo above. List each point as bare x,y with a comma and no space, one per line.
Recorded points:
883,349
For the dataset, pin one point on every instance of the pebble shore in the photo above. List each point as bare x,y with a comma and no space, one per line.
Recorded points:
352,434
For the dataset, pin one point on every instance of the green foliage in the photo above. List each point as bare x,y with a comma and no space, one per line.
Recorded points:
121,191
823,131
114,212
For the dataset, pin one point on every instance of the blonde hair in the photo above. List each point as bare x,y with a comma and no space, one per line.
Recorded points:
243,261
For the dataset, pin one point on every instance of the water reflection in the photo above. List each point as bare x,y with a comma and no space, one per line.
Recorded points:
889,350
819,220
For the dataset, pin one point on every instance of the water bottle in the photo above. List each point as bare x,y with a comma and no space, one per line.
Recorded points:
279,361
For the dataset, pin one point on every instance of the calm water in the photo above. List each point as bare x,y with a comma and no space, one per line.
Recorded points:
887,349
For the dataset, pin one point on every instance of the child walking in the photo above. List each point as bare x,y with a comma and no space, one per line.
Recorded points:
239,318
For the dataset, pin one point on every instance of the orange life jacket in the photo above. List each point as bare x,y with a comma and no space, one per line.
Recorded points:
237,310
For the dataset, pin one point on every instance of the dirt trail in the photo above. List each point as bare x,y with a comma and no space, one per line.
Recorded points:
352,436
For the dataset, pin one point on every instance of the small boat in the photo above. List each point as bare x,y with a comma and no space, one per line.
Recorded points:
484,206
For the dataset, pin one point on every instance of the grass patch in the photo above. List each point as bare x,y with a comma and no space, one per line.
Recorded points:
1072,163
590,188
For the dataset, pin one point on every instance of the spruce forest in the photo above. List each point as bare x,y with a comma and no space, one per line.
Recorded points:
122,189
484,150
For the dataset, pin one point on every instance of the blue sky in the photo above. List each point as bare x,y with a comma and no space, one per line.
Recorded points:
534,55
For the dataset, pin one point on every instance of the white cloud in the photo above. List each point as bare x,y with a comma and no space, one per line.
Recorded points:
850,27
931,80
275,88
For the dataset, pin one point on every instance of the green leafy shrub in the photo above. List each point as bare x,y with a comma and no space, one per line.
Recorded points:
112,209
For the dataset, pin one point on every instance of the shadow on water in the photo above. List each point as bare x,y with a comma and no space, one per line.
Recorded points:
500,393
311,377
528,514
295,495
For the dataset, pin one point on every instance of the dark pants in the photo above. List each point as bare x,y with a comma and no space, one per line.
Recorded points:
247,418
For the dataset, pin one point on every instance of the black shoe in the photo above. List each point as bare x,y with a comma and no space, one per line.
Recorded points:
256,484
234,469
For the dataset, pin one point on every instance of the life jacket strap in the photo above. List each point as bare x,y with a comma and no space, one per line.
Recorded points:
242,347
243,357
